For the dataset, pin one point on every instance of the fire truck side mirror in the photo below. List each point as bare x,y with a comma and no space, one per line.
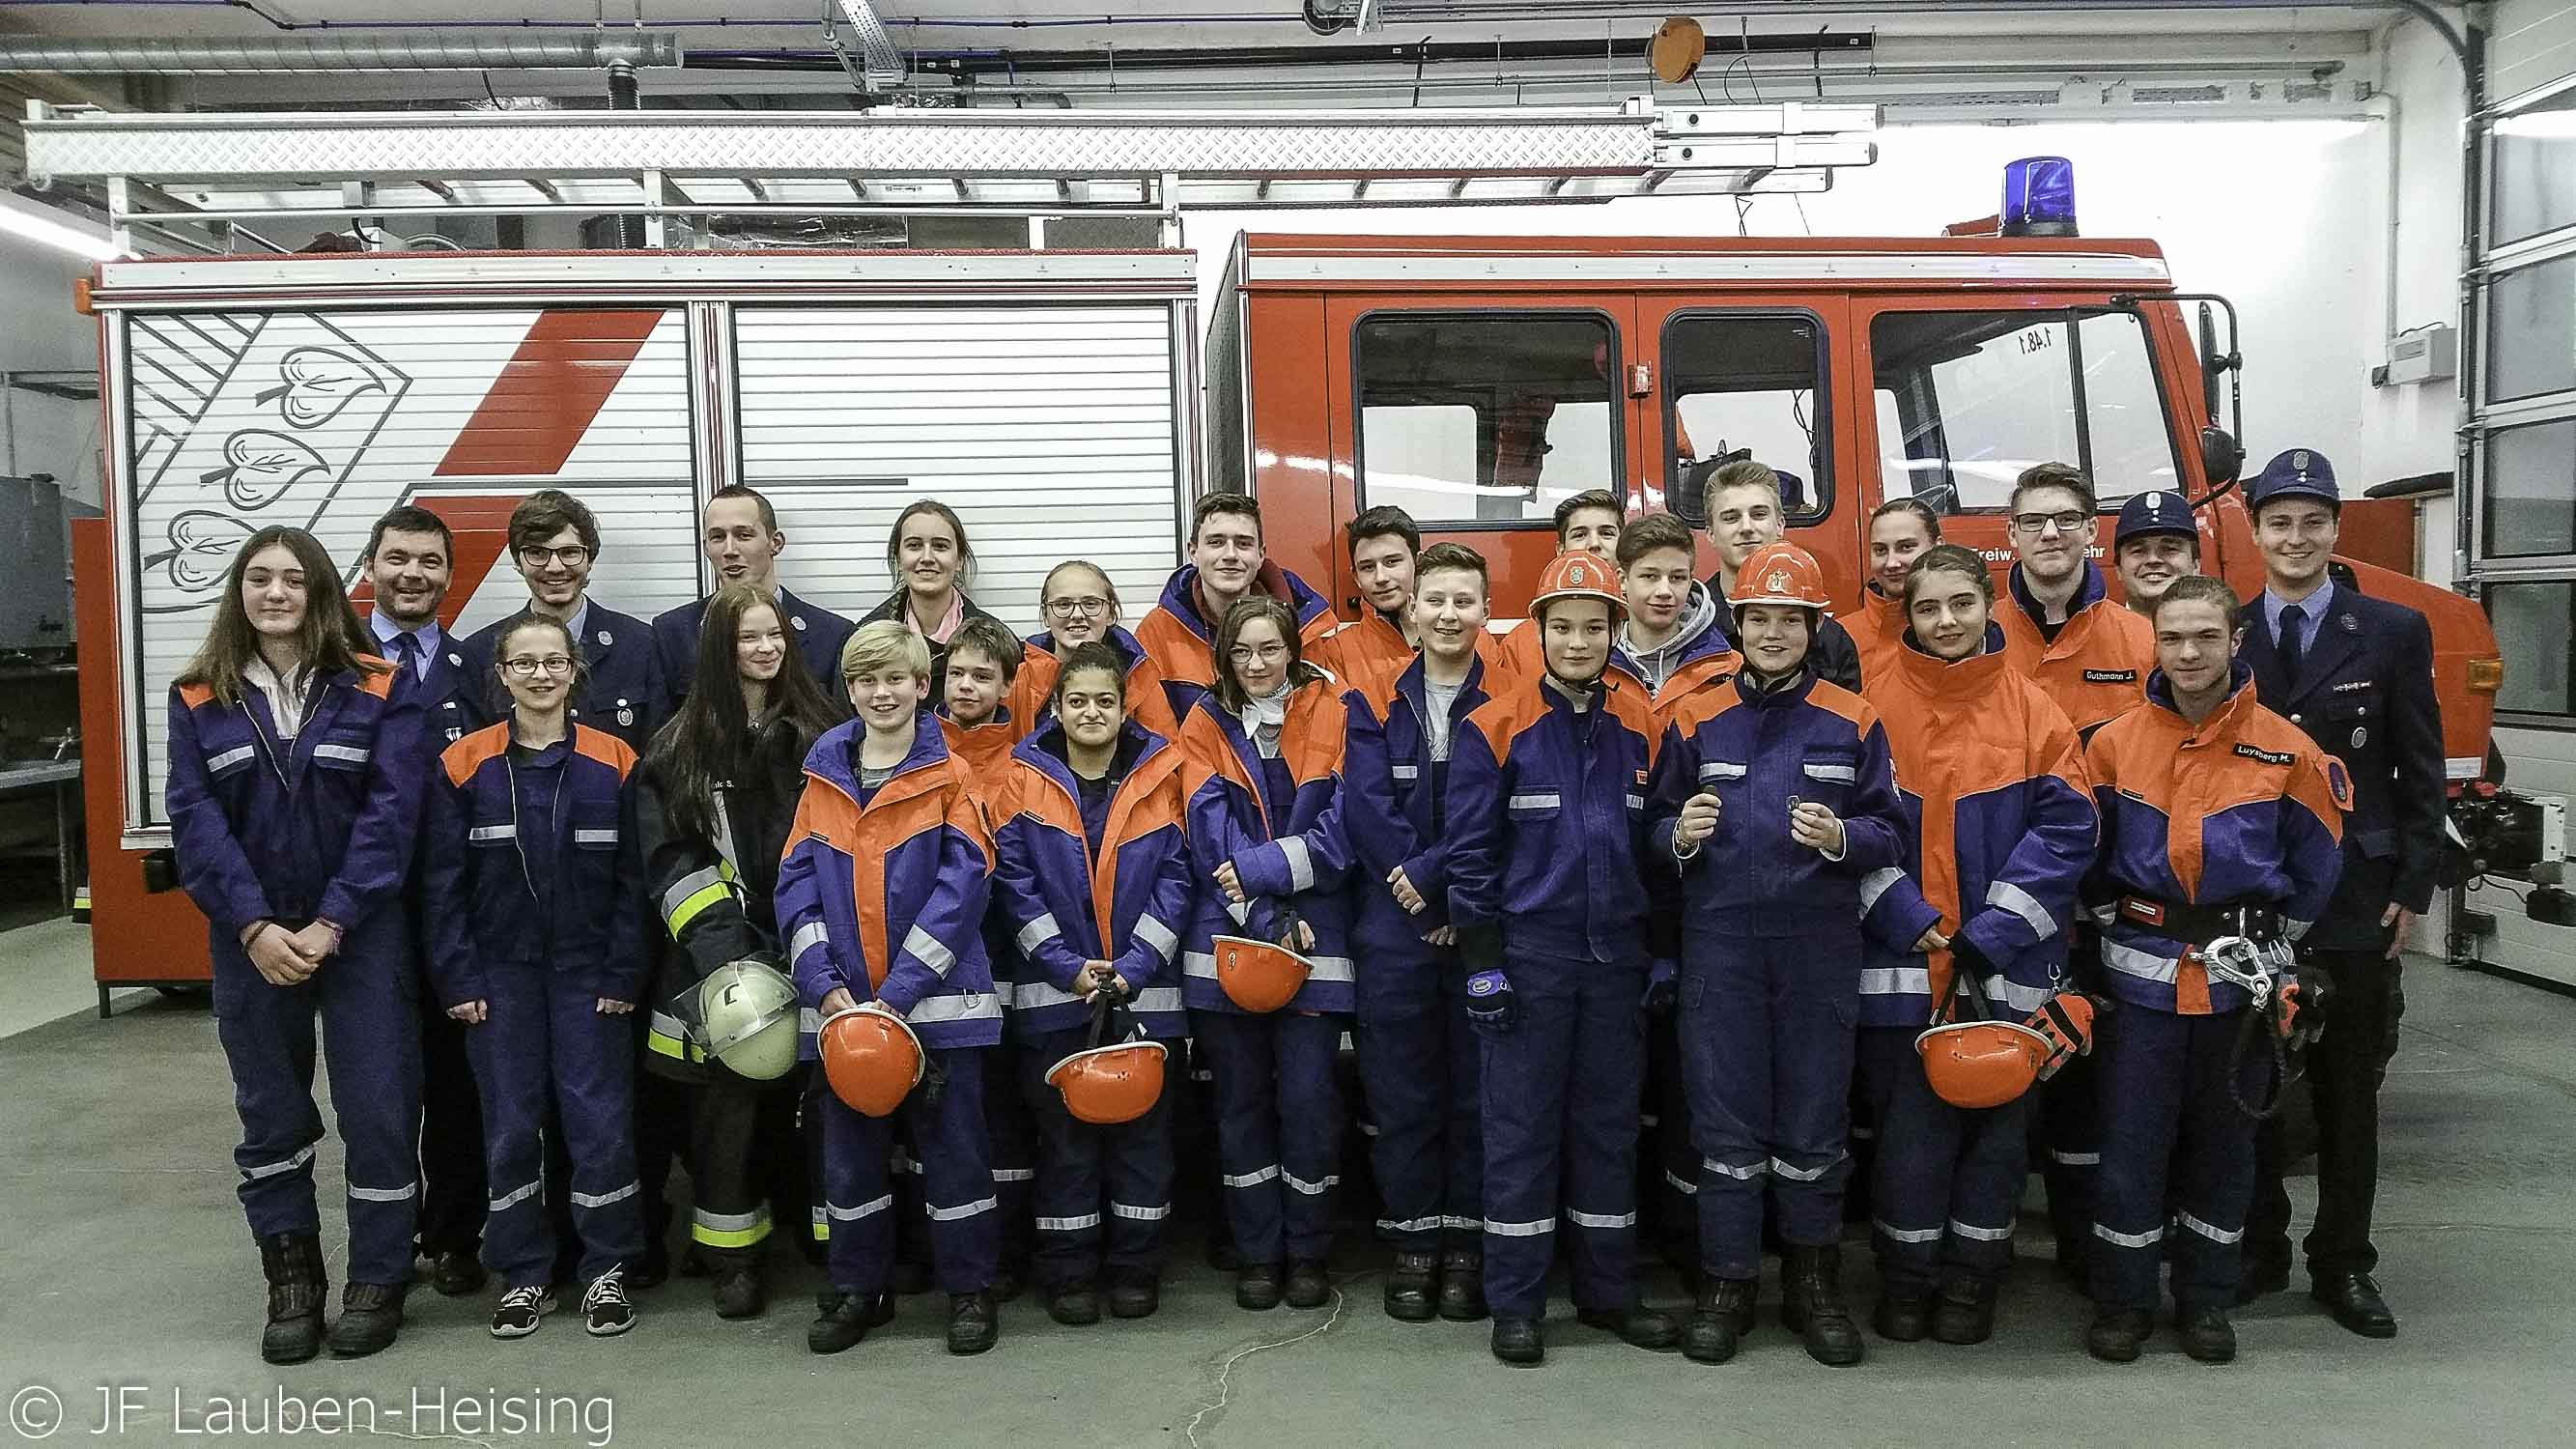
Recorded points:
160,871
2221,456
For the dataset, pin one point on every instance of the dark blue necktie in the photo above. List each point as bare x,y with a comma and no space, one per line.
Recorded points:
406,647
2291,646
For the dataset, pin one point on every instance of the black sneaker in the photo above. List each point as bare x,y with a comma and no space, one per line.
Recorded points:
521,1310
604,1309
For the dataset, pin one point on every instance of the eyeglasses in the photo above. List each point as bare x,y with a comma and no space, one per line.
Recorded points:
555,664
1267,654
537,555
2066,522
1088,608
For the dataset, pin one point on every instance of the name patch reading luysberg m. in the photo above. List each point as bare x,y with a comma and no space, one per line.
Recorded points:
2266,756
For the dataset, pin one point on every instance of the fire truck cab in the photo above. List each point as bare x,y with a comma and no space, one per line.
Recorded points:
1478,382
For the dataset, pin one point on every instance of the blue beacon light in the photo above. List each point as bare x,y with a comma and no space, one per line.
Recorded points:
2039,197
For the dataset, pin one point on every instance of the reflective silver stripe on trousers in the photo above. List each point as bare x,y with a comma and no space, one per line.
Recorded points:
603,1199
2130,961
1720,770
2007,896
1536,800
1310,1189
807,937
973,1006
1675,1179
515,1196
1409,1225
1157,937
2075,1159
2211,1231
1601,1220
1301,863
929,950
1839,774
729,1222
1740,1174
841,1214
1896,1234
1254,1178
1520,1230
957,1214
1803,1174
1133,1213
348,754
2147,1239
594,837
687,886
1069,1225
1015,1174
272,1169
1982,1235
1875,884
386,1194
217,764
1895,981
493,832
1038,932
1463,1224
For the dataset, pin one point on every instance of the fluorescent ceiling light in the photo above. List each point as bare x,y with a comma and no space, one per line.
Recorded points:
2539,126
61,230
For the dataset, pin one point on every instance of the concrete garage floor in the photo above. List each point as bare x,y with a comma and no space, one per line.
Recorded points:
126,1263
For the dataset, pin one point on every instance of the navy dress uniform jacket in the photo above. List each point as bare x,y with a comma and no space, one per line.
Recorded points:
2364,693
819,634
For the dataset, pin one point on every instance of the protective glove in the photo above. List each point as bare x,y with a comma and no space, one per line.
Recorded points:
1491,1006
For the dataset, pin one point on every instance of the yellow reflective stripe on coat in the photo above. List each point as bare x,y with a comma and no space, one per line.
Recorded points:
664,1034
703,889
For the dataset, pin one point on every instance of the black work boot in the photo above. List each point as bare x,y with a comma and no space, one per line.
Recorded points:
1256,1286
298,1286
1309,1286
843,1321
456,1272
1812,1305
1636,1325
2118,1333
1134,1293
1462,1285
2206,1334
370,1315
1075,1304
1516,1341
1409,1288
973,1322
1904,1313
739,1290
1720,1315
1966,1313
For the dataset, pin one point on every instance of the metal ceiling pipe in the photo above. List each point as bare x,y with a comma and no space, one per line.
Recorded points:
319,54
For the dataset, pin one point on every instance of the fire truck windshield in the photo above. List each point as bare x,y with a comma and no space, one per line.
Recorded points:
1967,400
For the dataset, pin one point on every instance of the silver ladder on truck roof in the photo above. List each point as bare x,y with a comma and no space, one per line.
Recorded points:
199,179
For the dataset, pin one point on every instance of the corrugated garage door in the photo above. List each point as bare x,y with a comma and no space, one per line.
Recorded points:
1048,429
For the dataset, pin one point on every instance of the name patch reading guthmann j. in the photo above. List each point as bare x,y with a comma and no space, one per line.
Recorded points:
2110,676
2266,756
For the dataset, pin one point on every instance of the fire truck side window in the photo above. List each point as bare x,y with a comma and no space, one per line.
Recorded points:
1485,418
1745,385
1967,400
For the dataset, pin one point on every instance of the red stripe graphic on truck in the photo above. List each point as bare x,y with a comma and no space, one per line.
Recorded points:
549,394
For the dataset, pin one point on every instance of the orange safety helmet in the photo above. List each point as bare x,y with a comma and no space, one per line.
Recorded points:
1981,1063
1107,1085
1579,575
1259,976
1780,573
871,1058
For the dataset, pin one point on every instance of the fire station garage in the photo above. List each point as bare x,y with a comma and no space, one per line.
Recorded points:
1281,722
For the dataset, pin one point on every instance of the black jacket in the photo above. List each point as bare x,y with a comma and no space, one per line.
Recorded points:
892,608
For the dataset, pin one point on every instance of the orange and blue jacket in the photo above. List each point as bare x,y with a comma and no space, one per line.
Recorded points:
884,892
1878,633
1706,660
2004,829
1182,642
1392,802
1032,693
2240,809
318,826
2097,670
1756,749
1066,905
1546,814
485,914
985,749
1279,822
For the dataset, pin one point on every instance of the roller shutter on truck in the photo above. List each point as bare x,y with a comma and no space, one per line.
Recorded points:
1044,397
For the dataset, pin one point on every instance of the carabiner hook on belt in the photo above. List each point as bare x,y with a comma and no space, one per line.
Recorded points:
2237,961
